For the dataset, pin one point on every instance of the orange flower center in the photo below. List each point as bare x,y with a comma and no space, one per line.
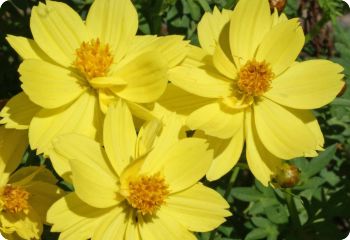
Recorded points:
147,193
93,59
14,199
254,78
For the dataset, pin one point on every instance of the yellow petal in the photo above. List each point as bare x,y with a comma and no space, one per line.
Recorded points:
60,164
119,135
106,82
216,120
115,23
81,117
204,81
184,164
74,218
159,138
140,111
307,85
48,85
155,228
173,48
18,112
311,122
284,134
147,136
113,226
26,226
13,144
227,153
146,77
199,208
223,64
276,18
196,57
42,196
27,48
282,45
105,97
177,100
58,30
210,28
94,182
250,22
25,175
261,162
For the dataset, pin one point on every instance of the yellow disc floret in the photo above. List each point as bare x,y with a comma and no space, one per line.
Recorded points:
254,78
147,193
93,59
14,199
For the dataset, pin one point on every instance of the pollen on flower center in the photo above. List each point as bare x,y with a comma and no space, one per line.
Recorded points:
147,193
93,59
254,78
14,199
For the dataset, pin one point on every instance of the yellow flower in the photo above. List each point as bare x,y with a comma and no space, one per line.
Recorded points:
259,94
136,187
73,69
25,195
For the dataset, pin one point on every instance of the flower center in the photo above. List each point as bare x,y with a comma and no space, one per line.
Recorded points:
254,78
93,59
14,199
147,193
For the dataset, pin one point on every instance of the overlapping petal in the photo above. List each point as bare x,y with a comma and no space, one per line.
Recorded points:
282,45
204,81
250,22
261,162
114,23
119,136
199,208
93,179
74,218
216,120
211,27
13,144
146,77
284,134
48,85
18,112
58,30
81,117
184,164
307,85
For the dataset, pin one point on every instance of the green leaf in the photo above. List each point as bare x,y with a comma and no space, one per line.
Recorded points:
195,10
341,102
246,194
277,214
320,162
204,4
261,222
257,233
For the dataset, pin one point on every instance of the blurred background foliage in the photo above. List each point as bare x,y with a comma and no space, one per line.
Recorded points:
313,200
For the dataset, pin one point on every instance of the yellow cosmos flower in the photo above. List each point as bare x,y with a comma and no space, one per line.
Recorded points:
259,94
139,187
25,195
73,69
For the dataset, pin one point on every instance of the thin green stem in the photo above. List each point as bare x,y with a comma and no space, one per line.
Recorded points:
293,212
227,193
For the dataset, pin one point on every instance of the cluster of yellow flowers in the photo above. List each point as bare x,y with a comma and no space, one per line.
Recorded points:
110,109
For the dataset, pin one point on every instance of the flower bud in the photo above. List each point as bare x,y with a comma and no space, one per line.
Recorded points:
287,176
278,4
